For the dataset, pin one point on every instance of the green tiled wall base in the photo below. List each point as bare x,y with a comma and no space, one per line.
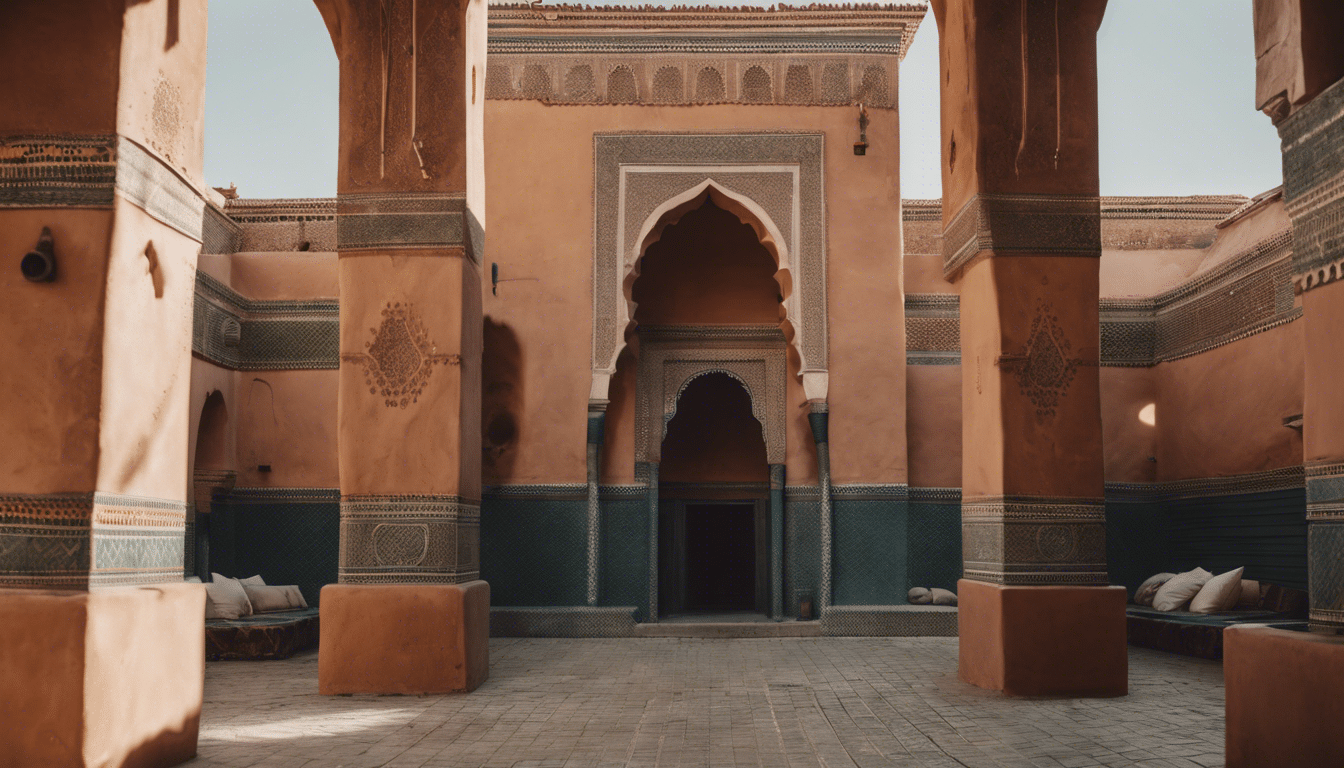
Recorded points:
933,545
625,554
284,542
1265,532
534,550
1137,542
870,551
802,555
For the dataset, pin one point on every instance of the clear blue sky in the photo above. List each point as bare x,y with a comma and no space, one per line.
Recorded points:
1176,78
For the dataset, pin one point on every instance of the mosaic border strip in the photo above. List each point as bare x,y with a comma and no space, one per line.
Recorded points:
539,491
932,329
1282,479
87,171
1325,492
260,495
90,540
409,539
686,158
1034,540
1313,187
934,495
403,220
870,492
1036,225
244,334
1216,208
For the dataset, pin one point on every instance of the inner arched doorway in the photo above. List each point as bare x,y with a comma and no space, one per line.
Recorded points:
715,526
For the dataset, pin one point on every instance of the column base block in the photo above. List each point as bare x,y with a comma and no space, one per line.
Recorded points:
404,638
1043,641
112,677
1284,705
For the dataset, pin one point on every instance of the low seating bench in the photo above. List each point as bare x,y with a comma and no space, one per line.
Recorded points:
277,635
1195,634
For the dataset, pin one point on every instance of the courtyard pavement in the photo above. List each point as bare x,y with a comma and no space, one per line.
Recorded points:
688,702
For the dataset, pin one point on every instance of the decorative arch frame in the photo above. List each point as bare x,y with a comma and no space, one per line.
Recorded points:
773,182
671,357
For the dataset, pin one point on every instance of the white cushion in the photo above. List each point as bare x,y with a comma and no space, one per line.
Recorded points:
219,611
919,596
943,596
1218,594
228,595
1144,594
1178,591
269,599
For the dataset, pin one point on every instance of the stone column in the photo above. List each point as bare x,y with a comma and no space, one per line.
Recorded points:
1022,238
777,542
1283,688
597,420
101,642
650,471
410,207
819,420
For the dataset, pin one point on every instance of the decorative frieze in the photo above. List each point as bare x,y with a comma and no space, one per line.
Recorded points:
86,171
796,56
1313,187
1030,225
304,224
1030,540
89,540
406,220
1267,481
244,334
932,329
409,539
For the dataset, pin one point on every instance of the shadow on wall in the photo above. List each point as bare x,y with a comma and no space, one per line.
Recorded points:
501,400
212,434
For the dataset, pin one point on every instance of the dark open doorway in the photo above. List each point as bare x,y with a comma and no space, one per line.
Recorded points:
720,557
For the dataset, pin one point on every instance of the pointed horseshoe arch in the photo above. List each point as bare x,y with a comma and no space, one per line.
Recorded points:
771,182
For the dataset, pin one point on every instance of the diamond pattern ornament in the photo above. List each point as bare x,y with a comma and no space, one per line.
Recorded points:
399,357
1047,371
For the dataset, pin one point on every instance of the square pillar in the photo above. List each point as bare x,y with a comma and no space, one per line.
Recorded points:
1022,238
409,613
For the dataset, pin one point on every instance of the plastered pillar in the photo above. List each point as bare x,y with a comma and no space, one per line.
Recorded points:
101,644
410,237
1283,702
1022,238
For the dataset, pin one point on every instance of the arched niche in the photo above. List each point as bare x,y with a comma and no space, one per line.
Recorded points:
772,182
671,357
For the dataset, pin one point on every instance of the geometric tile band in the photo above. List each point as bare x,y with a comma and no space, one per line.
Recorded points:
90,540
1313,187
1248,294
778,173
1325,491
1028,540
402,221
409,539
250,335
1037,225
43,171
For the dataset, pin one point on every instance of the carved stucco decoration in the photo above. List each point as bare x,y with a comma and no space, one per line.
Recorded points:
1046,370
400,357
772,182
671,357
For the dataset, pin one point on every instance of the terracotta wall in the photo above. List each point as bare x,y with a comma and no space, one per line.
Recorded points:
1219,412
540,233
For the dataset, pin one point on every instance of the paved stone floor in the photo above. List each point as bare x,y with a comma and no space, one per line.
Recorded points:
681,702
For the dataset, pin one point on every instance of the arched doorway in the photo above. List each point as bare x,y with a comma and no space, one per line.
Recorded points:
710,411
714,551
213,471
